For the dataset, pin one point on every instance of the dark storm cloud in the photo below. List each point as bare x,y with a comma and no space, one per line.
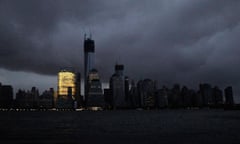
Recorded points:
181,41
28,30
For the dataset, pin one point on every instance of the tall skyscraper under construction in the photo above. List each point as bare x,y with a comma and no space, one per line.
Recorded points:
89,49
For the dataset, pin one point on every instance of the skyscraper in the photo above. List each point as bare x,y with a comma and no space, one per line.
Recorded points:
89,49
207,94
117,86
229,96
6,96
146,89
66,89
78,97
66,80
94,92
134,97
217,96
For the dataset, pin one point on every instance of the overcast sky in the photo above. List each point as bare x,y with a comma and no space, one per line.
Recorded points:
172,41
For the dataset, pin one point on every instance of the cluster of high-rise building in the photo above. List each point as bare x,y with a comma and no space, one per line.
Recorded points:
146,95
26,99
32,99
121,94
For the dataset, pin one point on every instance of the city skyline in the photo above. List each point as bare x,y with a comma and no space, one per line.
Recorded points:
172,42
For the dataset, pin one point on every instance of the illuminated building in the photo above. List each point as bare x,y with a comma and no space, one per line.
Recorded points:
89,48
66,81
93,75
66,89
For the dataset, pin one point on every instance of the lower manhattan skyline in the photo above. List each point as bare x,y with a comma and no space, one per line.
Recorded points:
128,71
181,42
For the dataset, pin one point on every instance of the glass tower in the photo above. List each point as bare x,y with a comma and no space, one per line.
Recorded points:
66,80
89,49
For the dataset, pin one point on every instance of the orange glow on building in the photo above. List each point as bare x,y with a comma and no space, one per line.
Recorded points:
66,79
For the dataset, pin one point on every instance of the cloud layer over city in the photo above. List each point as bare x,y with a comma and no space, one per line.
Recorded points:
177,41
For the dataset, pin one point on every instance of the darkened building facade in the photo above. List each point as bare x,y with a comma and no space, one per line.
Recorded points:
78,96
174,97
6,96
207,94
217,96
128,98
185,97
117,86
229,96
46,99
89,49
146,89
27,99
162,97
94,93
108,98
66,102
134,96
